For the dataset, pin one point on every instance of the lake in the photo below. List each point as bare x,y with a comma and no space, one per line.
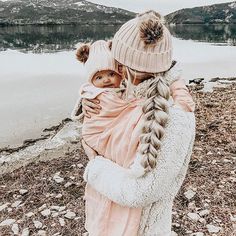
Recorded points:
39,76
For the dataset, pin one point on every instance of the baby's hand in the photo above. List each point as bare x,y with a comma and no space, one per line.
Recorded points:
90,106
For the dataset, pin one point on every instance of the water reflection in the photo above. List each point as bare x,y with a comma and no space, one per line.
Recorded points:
217,34
51,38
40,39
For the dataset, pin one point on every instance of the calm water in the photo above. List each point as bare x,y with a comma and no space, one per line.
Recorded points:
39,76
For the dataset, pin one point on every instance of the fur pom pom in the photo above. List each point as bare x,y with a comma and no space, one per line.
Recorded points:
110,44
151,27
82,53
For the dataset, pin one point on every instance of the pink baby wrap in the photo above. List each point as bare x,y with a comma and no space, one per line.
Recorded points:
114,134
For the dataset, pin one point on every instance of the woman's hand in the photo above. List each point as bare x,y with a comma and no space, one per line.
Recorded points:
90,106
89,151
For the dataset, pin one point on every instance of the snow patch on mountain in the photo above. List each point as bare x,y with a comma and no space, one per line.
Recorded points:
232,5
79,4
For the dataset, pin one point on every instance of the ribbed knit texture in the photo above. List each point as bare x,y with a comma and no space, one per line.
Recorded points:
99,59
130,50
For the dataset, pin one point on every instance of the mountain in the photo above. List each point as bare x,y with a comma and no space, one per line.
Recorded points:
213,14
24,12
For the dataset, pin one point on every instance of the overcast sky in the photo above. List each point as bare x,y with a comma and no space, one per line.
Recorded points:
162,6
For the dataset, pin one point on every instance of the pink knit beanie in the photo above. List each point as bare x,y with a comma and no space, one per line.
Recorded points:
96,57
144,44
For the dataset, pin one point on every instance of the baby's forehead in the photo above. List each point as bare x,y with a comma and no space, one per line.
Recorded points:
102,72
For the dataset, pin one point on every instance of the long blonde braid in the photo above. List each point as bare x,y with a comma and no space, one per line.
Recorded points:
155,111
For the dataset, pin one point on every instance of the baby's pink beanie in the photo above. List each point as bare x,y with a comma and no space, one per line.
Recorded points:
129,49
99,59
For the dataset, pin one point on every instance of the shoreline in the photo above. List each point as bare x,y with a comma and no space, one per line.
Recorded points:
202,84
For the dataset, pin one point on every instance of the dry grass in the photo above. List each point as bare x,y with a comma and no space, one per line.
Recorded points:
212,168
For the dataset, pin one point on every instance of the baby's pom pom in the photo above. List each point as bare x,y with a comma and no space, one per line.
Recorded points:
82,53
110,44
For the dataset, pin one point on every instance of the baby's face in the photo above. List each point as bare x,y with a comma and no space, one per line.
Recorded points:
106,79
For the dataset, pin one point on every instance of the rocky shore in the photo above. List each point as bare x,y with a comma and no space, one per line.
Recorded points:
41,185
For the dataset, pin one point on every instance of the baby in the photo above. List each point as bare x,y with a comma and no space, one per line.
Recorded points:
101,68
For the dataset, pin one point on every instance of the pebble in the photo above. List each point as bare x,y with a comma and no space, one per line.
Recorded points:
202,220
204,212
57,178
193,216
234,227
213,228
29,214
23,191
189,194
192,205
70,215
72,177
37,224
68,184
46,212
58,195
80,166
173,233
233,218
4,206
42,207
9,209
42,233
176,225
56,234
25,232
16,203
62,208
62,212
54,208
62,222
15,229
217,220
197,234
55,214
7,222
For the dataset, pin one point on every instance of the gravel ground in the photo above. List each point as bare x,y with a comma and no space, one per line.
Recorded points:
46,198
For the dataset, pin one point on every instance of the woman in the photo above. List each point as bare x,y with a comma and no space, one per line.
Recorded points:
143,47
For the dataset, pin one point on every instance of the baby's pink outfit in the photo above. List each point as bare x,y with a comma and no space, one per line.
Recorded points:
114,133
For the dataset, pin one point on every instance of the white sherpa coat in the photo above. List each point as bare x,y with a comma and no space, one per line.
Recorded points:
156,190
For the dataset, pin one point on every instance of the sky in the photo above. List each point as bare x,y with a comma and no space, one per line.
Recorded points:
162,6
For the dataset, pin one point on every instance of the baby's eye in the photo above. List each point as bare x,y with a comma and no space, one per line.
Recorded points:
111,73
98,77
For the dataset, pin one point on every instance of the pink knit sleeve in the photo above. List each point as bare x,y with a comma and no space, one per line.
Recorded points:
181,95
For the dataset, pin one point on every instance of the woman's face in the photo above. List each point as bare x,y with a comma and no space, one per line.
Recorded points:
137,77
